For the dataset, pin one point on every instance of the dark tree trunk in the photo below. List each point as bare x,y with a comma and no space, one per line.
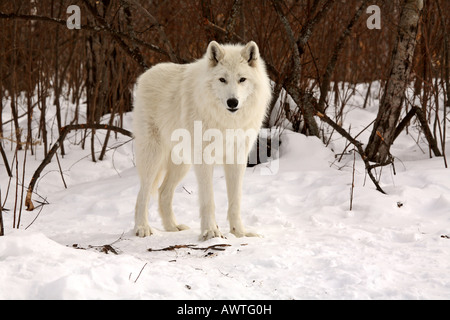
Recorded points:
383,133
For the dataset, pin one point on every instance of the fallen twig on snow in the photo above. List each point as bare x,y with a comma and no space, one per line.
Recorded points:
105,248
217,247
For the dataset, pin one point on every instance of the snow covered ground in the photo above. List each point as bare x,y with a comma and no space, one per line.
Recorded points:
312,246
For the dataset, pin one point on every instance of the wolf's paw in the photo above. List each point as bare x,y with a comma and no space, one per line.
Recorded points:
182,227
209,234
143,231
178,227
241,233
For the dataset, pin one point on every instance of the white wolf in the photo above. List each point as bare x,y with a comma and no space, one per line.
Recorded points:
227,89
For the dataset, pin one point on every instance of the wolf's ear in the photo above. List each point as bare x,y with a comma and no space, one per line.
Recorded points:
250,53
214,53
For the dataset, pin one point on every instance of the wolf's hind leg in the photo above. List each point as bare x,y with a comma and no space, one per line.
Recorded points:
175,173
149,169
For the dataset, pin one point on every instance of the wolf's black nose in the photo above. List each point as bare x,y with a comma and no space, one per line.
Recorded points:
232,103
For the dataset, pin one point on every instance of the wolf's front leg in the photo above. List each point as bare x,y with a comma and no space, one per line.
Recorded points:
234,175
209,228
142,228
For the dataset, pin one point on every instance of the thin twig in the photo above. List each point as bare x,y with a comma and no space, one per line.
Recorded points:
162,33
217,247
104,248
5,161
42,207
60,170
189,192
427,132
353,180
2,231
356,143
140,273
326,78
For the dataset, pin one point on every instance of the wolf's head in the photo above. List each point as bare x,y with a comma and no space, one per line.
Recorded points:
233,73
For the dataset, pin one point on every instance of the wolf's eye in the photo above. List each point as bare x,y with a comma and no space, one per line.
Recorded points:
223,80
242,80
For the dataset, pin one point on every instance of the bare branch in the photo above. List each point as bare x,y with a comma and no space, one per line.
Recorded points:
325,85
133,52
64,131
294,85
5,160
161,31
356,143
307,30
103,28
217,247
2,230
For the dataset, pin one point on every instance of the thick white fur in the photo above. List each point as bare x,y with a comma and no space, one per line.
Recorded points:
172,96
